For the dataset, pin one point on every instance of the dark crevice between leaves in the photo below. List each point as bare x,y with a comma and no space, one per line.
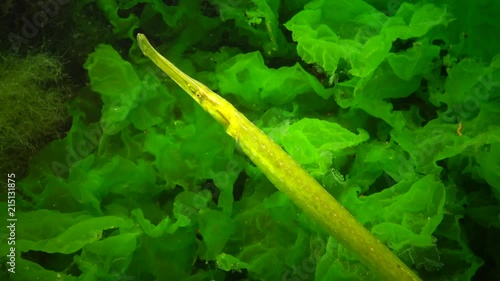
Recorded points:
56,262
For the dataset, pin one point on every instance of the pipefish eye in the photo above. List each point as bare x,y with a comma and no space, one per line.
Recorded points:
195,92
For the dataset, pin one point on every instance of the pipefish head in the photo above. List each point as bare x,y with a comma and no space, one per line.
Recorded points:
212,103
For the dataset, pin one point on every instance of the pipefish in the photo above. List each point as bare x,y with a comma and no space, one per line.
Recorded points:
287,175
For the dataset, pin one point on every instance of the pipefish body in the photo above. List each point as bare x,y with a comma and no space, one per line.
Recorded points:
287,175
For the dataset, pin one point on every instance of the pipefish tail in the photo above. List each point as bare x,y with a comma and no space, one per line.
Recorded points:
287,175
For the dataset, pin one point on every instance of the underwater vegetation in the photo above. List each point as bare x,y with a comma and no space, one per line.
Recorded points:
32,107
393,107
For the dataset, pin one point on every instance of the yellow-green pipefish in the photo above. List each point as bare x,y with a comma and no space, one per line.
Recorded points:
288,176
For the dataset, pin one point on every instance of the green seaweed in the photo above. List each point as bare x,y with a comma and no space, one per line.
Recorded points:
32,107
393,108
